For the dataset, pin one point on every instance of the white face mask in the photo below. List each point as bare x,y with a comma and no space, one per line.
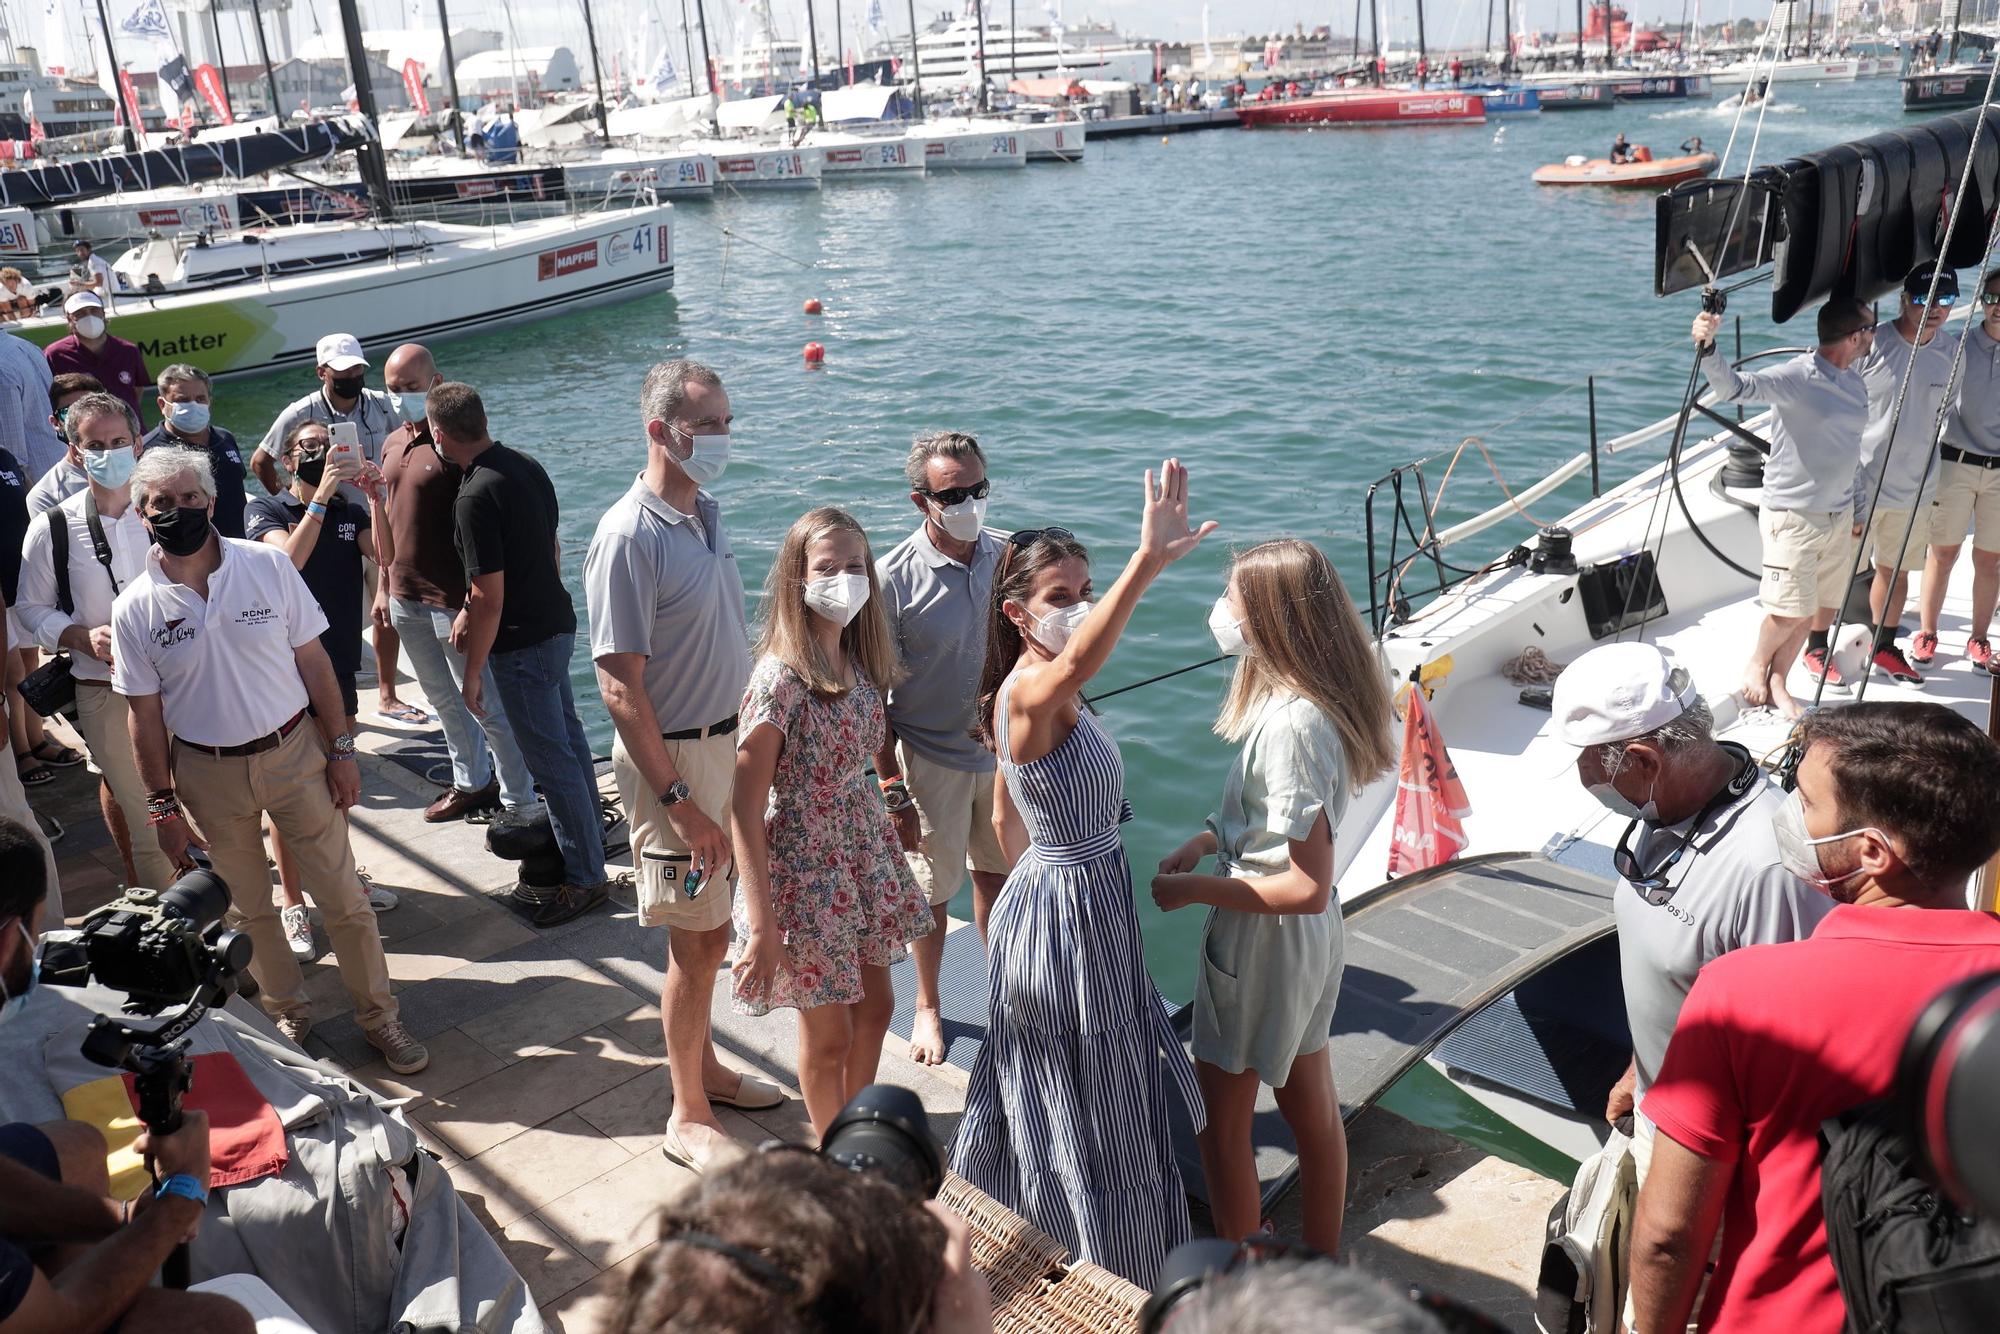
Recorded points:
90,326
1228,630
1052,631
707,456
411,406
963,520
838,597
1798,851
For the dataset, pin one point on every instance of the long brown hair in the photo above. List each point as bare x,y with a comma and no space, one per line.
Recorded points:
1013,581
1306,636
787,634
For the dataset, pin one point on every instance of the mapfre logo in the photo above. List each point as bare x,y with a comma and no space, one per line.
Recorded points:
570,259
176,631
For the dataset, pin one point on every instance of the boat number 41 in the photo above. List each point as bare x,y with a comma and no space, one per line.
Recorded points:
643,241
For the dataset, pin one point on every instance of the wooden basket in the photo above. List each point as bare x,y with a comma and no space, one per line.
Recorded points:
1035,1286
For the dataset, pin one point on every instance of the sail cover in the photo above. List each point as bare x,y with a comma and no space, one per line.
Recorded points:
1849,220
73,181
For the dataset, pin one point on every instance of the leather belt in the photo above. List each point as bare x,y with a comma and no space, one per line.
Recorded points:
723,728
102,685
1953,454
268,741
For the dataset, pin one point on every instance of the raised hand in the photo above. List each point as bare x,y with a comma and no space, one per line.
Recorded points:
1164,532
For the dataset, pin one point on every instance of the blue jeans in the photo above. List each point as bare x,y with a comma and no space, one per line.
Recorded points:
440,670
533,684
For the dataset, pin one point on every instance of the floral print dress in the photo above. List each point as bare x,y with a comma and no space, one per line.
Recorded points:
841,892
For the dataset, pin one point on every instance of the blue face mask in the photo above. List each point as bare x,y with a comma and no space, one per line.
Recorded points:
10,1004
110,468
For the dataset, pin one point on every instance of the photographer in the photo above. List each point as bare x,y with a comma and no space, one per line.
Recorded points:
783,1240
73,1260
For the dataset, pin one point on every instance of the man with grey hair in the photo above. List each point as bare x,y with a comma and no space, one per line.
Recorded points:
937,780
216,648
74,561
671,644
1700,862
1296,1296
185,401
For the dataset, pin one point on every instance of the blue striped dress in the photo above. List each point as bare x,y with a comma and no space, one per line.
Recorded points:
1066,1117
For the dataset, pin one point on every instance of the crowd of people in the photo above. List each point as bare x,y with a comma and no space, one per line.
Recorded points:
817,788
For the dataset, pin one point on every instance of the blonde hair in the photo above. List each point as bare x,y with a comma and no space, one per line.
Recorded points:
788,635
1306,637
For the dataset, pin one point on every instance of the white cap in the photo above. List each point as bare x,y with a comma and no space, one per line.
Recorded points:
83,301
340,352
1619,691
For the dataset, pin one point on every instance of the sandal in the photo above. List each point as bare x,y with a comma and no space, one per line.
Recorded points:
32,771
409,715
54,752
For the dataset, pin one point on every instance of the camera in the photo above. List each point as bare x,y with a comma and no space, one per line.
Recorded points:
157,946
1948,1091
885,1131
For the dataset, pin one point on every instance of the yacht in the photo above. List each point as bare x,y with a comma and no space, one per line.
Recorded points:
64,107
952,55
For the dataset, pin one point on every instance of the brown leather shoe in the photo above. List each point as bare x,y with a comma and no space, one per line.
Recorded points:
456,803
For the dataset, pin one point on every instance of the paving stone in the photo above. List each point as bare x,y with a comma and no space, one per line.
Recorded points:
456,1060
476,989
494,1109
589,1307
407,919
555,1011
635,956
538,1165
450,947
549,1264
613,1216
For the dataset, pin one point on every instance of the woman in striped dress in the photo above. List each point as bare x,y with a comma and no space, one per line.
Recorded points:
1066,1118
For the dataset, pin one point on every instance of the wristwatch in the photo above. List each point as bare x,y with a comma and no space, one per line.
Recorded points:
343,746
676,793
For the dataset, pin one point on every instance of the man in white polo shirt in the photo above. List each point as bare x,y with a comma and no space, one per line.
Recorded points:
216,646
65,599
672,648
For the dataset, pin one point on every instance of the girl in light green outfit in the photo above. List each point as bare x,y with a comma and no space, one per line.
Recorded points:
1311,708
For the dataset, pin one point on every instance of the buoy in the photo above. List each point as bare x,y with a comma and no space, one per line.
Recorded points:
815,354
1163,139
812,305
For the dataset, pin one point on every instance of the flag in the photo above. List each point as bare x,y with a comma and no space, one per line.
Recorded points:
1273,53
875,18
1430,800
174,76
664,76
133,120
147,21
208,79
413,84
35,131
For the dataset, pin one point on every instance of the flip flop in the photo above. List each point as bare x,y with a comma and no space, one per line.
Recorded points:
409,715
65,757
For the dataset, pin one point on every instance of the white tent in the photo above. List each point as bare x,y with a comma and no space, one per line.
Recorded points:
557,124
864,101
752,114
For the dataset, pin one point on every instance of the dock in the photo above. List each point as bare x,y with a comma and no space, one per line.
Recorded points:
547,1091
1162,122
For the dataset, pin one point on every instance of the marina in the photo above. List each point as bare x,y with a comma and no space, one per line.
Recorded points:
1306,371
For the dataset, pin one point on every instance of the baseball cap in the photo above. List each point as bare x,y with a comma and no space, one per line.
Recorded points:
339,352
1918,281
82,301
1618,691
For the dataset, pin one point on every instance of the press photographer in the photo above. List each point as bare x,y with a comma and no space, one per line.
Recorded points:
787,1241
72,1259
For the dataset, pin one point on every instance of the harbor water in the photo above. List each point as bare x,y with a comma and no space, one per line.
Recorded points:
1290,313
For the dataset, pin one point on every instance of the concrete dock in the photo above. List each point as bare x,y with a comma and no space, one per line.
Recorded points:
547,1090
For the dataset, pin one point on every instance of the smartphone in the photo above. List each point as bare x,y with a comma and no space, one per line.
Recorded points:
346,437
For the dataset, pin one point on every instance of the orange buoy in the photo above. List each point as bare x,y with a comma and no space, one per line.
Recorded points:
812,305
815,354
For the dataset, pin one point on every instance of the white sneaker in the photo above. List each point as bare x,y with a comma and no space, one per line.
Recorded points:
380,899
299,933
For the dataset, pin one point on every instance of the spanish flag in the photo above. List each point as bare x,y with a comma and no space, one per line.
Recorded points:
244,1137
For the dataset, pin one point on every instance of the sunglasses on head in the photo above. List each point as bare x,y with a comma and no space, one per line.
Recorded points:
1027,537
958,495
1945,300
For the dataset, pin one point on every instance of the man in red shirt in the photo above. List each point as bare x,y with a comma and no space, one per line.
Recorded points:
1897,804
91,350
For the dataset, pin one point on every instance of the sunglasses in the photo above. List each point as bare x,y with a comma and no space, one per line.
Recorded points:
958,495
1989,298
1027,537
1945,300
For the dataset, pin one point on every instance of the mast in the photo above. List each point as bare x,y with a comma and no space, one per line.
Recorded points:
221,61
708,69
1489,25
1013,47
264,54
1423,61
451,78
916,62
812,36
1579,36
597,73
1507,36
1375,40
980,8
687,40
1356,57
839,42
368,156
111,57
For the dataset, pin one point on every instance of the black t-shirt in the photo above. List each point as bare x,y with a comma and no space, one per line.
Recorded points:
332,572
506,516
14,484
230,471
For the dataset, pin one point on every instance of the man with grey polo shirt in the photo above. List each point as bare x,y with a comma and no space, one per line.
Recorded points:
672,648
1968,497
1813,506
1700,863
938,780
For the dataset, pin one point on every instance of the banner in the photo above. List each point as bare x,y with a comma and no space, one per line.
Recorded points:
147,21
133,119
176,90
1431,804
413,84
35,132
208,79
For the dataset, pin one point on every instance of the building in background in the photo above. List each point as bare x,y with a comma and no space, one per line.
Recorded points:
524,74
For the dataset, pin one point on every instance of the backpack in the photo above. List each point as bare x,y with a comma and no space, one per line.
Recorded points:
1908,1260
1581,1289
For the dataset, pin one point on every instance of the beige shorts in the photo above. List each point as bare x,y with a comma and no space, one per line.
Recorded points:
1884,538
955,810
1968,500
1807,560
660,860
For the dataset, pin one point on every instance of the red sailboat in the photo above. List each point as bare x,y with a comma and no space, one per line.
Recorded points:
1367,106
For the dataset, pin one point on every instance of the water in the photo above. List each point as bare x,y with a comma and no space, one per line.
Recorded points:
1292,314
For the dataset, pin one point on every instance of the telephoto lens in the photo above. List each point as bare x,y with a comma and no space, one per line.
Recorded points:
1186,1268
884,1129
1948,1091
199,896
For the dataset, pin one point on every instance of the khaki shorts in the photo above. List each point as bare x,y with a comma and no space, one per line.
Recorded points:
955,811
1968,500
660,859
1884,539
1807,555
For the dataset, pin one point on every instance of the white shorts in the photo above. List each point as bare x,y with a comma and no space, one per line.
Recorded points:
1968,500
660,859
1884,539
955,810
1807,560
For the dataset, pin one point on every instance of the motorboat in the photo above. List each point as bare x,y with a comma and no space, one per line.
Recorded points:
1952,88
1557,93
1793,69
1644,172
1364,107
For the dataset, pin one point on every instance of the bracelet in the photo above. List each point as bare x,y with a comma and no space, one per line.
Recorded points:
893,780
183,1185
160,809
316,509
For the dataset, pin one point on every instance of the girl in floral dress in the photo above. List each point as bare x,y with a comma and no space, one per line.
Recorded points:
826,901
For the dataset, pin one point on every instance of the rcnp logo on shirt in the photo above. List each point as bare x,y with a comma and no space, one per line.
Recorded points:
177,631
254,615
